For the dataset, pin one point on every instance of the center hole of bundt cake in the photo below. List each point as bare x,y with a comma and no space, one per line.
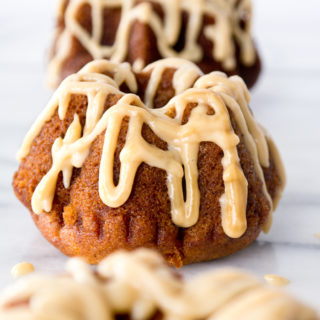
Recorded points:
181,41
111,21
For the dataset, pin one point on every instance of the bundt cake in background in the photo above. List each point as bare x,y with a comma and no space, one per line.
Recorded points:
139,285
214,34
165,158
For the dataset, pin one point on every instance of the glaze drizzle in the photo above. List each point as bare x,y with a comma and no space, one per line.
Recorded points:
227,29
210,121
139,284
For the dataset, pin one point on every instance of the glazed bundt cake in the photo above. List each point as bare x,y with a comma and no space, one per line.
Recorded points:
139,285
165,158
215,34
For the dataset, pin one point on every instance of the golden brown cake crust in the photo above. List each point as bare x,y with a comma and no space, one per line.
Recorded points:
80,224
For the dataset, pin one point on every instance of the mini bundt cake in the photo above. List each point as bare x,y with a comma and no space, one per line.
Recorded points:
214,34
166,158
139,285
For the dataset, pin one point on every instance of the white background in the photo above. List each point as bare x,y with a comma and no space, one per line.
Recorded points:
286,100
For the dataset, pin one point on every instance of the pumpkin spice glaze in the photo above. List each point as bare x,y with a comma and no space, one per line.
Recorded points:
140,286
166,158
214,34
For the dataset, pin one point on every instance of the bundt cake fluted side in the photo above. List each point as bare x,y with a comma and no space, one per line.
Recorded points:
188,171
214,34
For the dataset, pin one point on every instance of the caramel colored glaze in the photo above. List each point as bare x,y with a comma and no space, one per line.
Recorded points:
138,285
219,37
21,269
275,280
80,224
206,240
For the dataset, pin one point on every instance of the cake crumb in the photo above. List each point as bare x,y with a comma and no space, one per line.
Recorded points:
21,269
275,280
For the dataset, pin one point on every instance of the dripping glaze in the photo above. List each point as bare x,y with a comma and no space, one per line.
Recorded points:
180,160
226,29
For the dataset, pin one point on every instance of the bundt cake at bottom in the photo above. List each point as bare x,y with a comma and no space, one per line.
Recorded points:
139,285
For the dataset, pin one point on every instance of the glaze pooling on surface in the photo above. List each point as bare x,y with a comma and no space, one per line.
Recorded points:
211,95
227,28
276,280
21,269
139,284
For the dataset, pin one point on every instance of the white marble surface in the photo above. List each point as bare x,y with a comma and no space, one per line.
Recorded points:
286,100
